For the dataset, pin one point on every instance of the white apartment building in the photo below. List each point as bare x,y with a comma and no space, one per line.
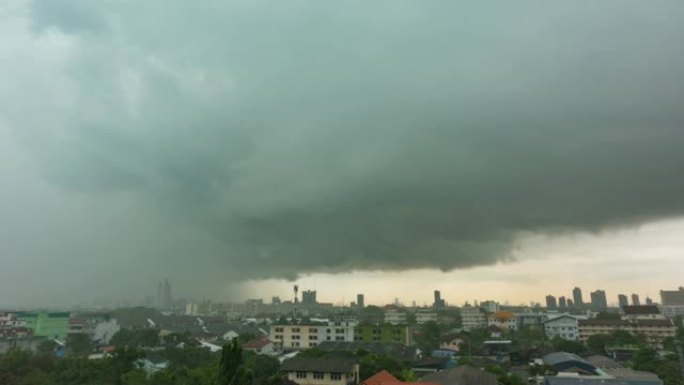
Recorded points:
423,316
306,336
395,316
564,326
472,318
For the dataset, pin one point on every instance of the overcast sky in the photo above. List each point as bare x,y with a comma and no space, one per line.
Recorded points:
494,149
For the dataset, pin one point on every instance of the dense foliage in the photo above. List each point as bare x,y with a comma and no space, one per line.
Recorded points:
188,365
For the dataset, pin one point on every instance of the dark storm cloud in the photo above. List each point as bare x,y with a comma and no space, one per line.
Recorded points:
305,136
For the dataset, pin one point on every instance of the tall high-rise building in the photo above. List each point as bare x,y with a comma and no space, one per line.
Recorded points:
562,302
622,300
577,296
309,297
570,303
439,302
360,301
635,300
551,302
164,300
649,301
599,300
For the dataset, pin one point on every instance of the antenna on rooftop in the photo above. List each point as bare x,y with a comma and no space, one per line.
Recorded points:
294,307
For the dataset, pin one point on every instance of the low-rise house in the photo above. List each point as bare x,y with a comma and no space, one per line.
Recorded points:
321,370
503,319
564,326
461,375
569,363
451,342
386,378
260,346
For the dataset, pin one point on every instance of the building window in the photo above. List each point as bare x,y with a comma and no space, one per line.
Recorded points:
318,376
313,337
335,376
301,374
295,330
313,330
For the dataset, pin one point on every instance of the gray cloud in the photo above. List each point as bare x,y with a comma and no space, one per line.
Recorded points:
309,137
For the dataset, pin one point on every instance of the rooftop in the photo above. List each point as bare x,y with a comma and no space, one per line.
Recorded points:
319,364
462,375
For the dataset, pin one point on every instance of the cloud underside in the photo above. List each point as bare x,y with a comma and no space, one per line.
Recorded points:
311,137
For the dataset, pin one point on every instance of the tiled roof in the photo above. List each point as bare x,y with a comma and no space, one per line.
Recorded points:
319,364
462,375
256,344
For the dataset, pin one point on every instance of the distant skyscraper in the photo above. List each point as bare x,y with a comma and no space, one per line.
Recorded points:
570,303
635,300
577,296
599,300
622,300
164,300
275,300
551,302
649,301
309,297
360,301
562,302
439,302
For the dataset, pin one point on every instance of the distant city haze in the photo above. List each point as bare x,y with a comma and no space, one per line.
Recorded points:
492,150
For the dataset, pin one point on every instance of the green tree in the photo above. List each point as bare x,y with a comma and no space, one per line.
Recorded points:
78,345
598,342
231,370
562,345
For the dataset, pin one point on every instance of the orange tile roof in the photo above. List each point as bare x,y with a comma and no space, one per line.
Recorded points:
386,378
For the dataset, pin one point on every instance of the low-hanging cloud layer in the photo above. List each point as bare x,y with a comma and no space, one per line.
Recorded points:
271,139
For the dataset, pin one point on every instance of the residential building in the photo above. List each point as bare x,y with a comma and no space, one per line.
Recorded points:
672,302
577,296
622,300
635,300
551,302
564,326
360,301
321,371
655,330
305,336
395,315
562,302
52,325
599,300
569,363
260,346
472,318
504,320
384,333
425,316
